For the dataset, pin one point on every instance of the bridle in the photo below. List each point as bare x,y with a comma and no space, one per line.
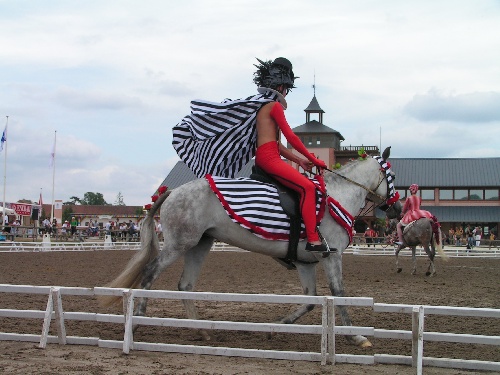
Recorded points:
385,174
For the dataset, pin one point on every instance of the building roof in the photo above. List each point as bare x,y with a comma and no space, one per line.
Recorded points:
85,210
460,172
480,172
315,126
181,174
461,214
314,106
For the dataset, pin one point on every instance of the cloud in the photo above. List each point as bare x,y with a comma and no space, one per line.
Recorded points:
471,107
95,100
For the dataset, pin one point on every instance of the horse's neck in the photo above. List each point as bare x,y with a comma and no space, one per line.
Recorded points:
348,194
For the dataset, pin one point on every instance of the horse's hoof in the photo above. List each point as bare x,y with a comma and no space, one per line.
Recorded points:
428,273
366,344
399,270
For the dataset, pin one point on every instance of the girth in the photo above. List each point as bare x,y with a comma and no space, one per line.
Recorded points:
289,200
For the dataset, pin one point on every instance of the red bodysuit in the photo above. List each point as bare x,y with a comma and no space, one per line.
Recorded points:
269,159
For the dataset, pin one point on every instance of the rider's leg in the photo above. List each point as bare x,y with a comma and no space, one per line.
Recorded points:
268,158
400,233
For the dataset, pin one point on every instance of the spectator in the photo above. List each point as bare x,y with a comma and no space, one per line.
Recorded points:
458,235
477,235
13,229
64,229
369,235
470,237
74,224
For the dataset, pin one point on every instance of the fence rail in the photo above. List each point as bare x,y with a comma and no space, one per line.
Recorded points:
107,244
55,314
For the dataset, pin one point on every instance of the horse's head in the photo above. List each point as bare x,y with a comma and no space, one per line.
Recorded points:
386,197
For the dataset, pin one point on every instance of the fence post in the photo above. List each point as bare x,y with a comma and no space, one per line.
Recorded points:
331,329
128,338
417,338
46,322
59,315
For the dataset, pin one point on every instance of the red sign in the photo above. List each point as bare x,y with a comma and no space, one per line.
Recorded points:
21,208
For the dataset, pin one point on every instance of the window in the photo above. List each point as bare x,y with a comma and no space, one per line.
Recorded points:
318,140
476,195
461,195
491,195
445,194
310,140
427,194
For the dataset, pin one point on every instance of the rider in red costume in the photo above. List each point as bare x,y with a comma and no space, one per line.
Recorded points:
411,212
278,75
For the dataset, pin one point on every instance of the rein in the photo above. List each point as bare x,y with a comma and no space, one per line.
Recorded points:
360,185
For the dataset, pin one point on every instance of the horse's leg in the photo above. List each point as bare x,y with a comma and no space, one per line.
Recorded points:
333,269
307,277
193,260
398,249
152,271
414,259
431,270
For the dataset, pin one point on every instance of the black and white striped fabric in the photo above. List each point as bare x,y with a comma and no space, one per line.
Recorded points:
255,206
220,138
386,166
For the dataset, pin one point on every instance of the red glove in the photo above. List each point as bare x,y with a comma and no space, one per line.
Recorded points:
278,115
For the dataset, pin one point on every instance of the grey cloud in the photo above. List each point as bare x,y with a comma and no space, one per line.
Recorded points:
471,107
95,100
172,88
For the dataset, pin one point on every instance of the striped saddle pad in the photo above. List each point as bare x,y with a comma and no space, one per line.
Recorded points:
256,206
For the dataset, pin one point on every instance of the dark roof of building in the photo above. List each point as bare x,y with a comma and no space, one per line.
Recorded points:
181,174
81,209
480,172
433,172
315,127
461,214
314,106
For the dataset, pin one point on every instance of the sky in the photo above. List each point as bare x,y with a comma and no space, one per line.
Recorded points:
107,80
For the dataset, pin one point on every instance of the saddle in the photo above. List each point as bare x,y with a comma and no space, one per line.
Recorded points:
289,200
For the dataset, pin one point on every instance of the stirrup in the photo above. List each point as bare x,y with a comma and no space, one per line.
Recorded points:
316,248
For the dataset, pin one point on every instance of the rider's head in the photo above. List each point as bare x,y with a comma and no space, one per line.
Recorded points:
413,188
277,75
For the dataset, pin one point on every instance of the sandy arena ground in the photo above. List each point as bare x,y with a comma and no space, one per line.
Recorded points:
466,282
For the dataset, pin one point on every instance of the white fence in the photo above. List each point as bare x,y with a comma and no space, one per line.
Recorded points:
46,245
327,329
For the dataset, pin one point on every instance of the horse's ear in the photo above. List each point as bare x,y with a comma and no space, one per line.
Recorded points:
386,153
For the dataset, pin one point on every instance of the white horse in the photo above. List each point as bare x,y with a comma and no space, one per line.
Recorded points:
192,217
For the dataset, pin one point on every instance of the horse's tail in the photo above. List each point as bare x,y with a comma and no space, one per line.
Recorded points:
436,230
131,276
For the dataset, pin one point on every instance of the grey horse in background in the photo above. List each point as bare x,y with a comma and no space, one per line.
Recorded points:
192,217
426,233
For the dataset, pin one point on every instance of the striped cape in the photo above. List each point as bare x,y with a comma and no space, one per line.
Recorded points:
255,206
220,138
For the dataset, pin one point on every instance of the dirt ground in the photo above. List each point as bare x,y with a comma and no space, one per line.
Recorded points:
465,282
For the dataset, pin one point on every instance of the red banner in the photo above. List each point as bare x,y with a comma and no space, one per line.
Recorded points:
21,208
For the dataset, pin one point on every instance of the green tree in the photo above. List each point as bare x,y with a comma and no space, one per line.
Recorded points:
119,200
95,199
67,213
74,200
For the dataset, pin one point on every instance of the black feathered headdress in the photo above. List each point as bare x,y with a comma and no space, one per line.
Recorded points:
272,74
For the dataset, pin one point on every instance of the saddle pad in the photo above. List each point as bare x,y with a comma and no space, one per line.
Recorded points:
256,206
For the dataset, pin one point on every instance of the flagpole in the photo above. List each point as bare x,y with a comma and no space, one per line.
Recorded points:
53,175
5,172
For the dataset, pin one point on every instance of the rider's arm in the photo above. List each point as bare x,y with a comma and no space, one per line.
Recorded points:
288,154
278,115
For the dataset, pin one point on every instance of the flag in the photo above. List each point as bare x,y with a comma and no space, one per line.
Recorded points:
4,138
52,154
